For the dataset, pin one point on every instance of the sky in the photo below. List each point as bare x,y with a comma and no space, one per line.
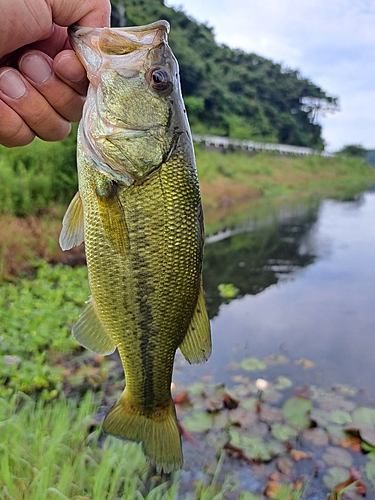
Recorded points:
330,42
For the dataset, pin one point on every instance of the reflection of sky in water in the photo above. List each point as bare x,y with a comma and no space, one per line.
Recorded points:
324,312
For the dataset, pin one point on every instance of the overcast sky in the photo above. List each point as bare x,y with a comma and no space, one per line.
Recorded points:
331,42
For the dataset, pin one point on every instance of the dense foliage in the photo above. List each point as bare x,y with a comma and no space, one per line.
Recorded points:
354,150
228,92
35,177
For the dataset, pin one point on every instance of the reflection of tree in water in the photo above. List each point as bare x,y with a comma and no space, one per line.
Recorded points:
254,260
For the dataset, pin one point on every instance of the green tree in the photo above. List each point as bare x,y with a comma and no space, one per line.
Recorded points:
354,150
232,93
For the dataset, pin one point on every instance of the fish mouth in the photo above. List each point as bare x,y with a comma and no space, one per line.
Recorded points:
119,41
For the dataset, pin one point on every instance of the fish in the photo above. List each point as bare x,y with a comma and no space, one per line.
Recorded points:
138,210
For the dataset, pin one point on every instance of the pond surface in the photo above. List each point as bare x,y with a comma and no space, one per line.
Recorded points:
306,280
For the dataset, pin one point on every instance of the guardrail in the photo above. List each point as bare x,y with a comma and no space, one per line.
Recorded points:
283,149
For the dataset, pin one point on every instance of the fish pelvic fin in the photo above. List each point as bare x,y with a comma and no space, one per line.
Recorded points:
114,223
72,233
196,346
158,432
90,333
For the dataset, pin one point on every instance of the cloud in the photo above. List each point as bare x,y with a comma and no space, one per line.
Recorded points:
331,42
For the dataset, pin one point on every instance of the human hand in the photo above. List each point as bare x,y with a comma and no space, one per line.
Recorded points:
42,82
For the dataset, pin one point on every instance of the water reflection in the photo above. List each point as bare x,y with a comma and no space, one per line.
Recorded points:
258,253
307,283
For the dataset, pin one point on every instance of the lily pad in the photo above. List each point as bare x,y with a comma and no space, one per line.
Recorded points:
336,433
295,410
276,359
198,421
197,388
217,440
363,425
252,364
345,390
340,417
282,382
316,436
321,417
337,457
370,471
242,417
270,414
365,415
335,402
334,476
285,465
271,395
305,363
283,432
255,448
368,435
220,420
249,403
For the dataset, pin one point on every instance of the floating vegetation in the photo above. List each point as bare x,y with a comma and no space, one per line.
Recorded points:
260,436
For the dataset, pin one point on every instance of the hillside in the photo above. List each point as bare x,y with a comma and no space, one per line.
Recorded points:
232,93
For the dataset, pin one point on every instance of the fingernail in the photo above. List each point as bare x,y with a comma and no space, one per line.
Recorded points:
71,68
11,84
35,67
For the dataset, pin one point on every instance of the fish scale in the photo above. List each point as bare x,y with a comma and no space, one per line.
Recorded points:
138,209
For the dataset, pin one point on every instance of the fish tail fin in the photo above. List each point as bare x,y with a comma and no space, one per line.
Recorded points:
158,432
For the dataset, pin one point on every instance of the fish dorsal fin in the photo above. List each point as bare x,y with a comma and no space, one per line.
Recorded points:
90,333
196,346
72,233
114,223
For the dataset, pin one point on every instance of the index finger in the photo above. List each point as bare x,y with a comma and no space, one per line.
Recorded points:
93,13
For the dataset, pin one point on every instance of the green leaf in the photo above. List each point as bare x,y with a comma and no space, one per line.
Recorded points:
197,388
370,471
368,448
197,421
256,447
365,415
282,382
316,436
295,410
336,433
228,290
283,432
275,359
339,457
334,476
340,417
252,364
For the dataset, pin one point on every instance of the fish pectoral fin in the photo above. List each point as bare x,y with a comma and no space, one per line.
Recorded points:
114,223
158,431
196,346
90,333
72,233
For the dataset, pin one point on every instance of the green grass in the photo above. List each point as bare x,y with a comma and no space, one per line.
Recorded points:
54,451
277,175
51,452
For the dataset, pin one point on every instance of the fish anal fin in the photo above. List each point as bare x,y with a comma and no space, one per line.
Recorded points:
196,346
90,333
158,432
72,233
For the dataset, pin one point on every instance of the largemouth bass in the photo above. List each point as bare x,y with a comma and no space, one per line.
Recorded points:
138,210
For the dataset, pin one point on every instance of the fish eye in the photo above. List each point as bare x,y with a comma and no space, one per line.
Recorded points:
161,81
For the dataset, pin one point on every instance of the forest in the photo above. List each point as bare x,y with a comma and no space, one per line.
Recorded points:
232,93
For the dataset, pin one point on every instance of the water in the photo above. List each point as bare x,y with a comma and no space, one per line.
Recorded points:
306,276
